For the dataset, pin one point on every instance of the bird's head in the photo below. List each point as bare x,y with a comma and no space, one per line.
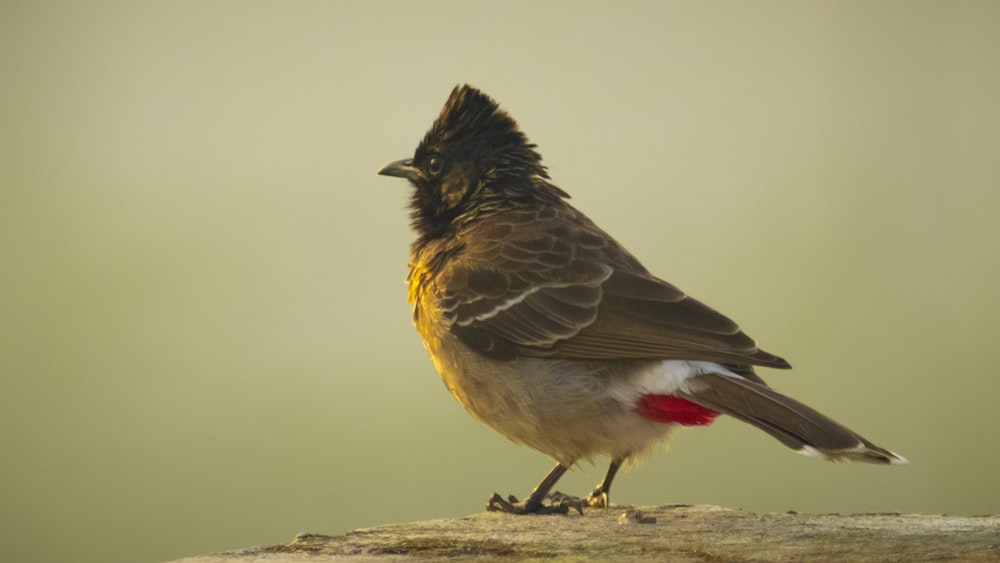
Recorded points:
473,155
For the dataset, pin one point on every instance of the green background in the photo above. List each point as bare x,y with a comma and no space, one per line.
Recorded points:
204,340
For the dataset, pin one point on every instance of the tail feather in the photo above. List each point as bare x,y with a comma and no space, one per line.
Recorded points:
799,427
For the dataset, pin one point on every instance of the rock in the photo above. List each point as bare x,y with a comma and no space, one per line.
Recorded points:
676,533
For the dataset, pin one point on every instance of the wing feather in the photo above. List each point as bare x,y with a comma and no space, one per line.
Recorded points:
559,287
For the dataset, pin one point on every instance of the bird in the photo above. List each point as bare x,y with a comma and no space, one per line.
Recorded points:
548,330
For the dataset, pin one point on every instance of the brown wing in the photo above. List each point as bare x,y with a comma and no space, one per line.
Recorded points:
551,284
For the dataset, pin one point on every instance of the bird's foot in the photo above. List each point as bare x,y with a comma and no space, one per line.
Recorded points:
556,503
597,499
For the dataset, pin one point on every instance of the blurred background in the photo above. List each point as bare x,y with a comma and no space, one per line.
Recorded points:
204,339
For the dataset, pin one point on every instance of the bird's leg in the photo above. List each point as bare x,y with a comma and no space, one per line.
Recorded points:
534,504
599,498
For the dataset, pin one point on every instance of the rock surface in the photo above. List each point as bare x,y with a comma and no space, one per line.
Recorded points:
674,533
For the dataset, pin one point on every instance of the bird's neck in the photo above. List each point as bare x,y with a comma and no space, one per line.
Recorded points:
432,221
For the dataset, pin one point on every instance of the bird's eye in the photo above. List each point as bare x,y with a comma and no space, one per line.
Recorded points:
435,164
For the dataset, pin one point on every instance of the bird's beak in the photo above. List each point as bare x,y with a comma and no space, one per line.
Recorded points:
401,168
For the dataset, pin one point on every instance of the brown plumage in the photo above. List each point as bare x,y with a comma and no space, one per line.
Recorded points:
548,330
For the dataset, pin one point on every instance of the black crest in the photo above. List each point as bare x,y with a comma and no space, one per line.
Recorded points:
473,128
474,160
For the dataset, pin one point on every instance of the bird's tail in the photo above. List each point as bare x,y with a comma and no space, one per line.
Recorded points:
797,426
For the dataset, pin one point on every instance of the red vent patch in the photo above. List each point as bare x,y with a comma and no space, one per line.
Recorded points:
667,408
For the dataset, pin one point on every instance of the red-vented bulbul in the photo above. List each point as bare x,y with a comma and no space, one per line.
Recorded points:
542,326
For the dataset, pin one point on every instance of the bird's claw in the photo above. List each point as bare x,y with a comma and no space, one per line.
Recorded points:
565,502
558,503
597,499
